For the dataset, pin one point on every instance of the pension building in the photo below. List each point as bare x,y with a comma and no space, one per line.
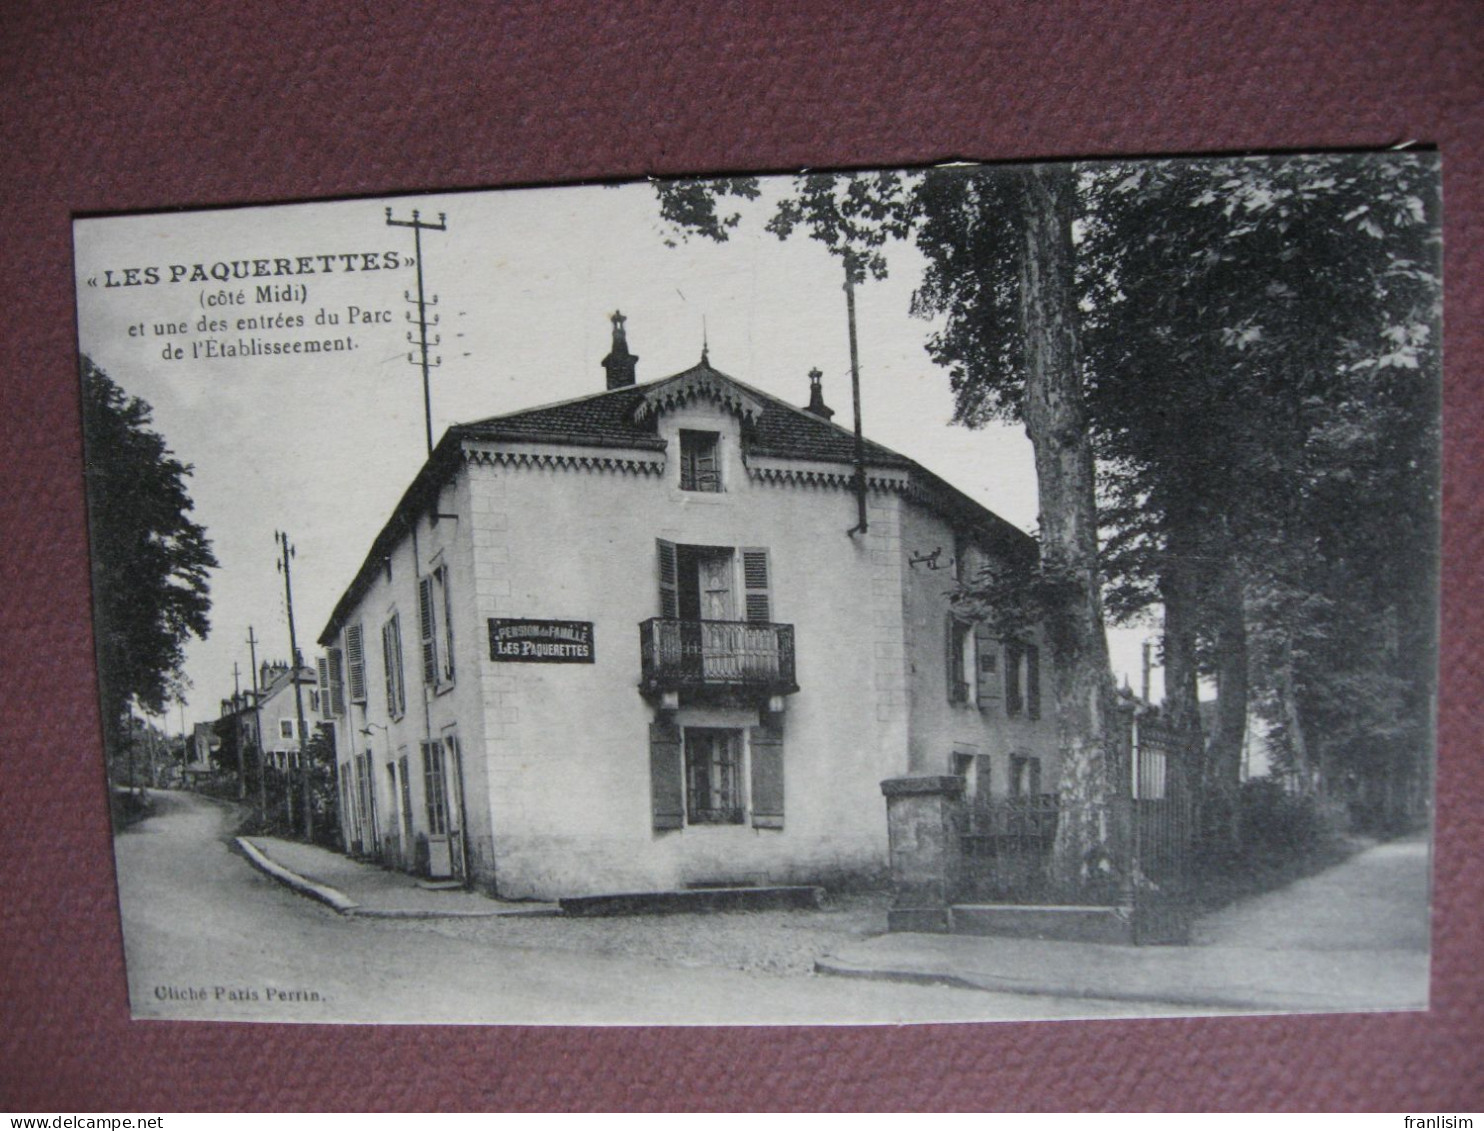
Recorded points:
637,641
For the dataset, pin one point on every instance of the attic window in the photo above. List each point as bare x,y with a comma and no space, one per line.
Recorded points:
700,469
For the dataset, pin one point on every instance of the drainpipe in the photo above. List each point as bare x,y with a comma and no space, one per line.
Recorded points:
855,396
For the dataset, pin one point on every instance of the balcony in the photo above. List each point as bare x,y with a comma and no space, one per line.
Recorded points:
726,658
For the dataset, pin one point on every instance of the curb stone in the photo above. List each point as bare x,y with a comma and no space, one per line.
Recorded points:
336,899
344,905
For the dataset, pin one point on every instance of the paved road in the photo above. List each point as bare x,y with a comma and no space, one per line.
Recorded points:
1375,901
209,937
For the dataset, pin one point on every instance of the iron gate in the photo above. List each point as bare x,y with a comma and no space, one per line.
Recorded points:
1007,843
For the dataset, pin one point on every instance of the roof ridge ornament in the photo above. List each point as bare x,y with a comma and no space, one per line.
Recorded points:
620,362
698,382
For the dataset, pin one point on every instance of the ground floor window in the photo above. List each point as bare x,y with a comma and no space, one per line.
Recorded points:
713,776
433,779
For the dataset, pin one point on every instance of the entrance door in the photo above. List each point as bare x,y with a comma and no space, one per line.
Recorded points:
441,772
454,784
435,800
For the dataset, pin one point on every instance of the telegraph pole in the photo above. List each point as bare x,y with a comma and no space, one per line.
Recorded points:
257,715
241,739
418,226
286,549
855,396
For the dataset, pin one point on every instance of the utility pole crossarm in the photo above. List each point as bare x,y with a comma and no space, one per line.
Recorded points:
418,226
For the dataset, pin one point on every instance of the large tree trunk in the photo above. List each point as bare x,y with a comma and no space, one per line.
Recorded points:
1182,681
1298,746
1223,780
1056,421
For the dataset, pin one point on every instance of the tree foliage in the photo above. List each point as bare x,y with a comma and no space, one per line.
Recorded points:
151,562
1262,340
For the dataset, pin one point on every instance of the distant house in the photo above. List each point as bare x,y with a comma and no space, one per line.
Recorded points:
631,642
199,748
278,710
234,732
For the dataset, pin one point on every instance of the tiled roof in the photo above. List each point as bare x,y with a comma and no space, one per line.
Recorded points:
618,418
602,419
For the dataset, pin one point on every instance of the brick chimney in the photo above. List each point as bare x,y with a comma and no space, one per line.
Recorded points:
620,362
816,403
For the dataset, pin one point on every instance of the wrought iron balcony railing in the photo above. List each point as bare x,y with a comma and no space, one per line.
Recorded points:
701,655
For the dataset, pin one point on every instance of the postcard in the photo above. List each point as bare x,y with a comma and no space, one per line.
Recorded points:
968,593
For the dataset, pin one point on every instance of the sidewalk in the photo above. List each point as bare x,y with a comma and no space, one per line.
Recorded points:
354,888
1353,939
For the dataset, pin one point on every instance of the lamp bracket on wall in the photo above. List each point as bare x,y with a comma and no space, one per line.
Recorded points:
930,560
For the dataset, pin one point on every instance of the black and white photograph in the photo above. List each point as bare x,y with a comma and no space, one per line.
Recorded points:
948,594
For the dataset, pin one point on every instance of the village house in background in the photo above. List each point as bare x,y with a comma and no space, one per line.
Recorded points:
234,736
278,710
638,641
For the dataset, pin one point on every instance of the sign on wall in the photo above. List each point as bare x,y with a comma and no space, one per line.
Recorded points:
541,641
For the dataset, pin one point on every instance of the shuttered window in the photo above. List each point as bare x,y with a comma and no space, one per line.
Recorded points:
1025,776
713,776
986,668
427,629
669,572
956,644
355,659
434,788
1014,654
335,663
700,468
757,585
391,651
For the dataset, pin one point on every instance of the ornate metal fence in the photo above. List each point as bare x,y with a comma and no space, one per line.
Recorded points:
1007,843
1162,817
1007,848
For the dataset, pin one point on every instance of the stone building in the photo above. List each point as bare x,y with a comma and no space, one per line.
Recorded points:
279,711
637,641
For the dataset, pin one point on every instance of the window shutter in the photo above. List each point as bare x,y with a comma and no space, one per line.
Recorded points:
1012,678
391,649
425,619
669,585
355,656
953,659
982,781
322,667
1033,681
756,583
335,661
666,780
767,776
986,667
442,576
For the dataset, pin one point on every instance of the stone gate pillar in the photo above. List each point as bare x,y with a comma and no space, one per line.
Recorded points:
925,824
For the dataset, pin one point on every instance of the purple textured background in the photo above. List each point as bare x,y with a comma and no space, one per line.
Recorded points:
153,105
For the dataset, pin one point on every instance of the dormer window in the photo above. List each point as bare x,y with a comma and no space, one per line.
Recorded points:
700,468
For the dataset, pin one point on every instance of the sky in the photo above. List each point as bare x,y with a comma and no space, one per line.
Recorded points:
322,446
